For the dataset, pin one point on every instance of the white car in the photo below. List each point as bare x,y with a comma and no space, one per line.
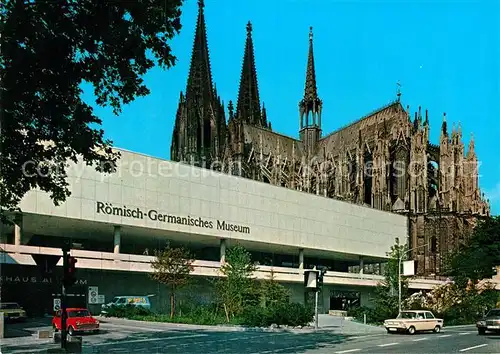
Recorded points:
413,321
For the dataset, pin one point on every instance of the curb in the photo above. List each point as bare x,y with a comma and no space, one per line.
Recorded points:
236,328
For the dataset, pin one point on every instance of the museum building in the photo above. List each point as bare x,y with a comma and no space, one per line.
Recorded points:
117,221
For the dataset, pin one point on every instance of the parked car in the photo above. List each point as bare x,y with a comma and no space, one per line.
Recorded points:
414,321
118,301
12,311
490,322
77,320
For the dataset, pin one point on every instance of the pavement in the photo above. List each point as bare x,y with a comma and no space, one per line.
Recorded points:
335,336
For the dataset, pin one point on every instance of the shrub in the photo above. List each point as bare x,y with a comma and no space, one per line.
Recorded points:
283,314
128,311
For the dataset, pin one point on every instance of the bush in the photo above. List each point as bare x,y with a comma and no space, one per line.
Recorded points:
127,311
283,314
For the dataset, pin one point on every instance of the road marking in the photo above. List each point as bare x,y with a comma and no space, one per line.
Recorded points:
147,340
348,351
224,340
418,340
463,333
475,347
445,336
150,329
387,344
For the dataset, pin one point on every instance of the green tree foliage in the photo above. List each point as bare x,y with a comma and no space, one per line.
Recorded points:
273,293
386,293
237,287
172,267
476,259
49,48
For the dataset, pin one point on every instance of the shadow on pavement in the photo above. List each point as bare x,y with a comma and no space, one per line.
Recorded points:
26,328
203,341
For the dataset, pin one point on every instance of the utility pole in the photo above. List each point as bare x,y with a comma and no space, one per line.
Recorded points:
400,258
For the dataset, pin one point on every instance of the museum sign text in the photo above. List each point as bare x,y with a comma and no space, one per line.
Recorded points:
154,215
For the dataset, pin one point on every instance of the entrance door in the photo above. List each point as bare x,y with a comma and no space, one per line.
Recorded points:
344,300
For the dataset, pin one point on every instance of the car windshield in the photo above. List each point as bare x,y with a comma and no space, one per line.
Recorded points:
78,313
9,306
115,299
407,315
495,313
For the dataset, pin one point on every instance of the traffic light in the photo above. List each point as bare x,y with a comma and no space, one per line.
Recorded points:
69,270
321,274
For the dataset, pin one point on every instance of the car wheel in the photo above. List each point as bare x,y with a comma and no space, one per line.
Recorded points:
71,331
411,330
481,331
437,329
388,331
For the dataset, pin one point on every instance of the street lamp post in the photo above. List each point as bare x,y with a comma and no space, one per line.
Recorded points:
400,258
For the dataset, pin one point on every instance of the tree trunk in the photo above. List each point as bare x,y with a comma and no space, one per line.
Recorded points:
172,305
227,313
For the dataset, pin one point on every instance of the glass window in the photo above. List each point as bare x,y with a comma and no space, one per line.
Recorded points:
10,306
121,301
495,312
429,315
407,315
79,313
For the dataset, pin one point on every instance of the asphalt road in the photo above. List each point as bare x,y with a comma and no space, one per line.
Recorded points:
130,337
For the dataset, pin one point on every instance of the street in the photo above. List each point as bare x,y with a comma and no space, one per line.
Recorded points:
122,336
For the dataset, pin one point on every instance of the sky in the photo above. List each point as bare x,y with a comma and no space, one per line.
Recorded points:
444,53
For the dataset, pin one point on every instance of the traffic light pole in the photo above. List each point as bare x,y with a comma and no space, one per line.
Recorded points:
63,300
316,322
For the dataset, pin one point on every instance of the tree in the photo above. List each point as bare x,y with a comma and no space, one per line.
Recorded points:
49,49
273,293
476,259
172,267
236,286
386,292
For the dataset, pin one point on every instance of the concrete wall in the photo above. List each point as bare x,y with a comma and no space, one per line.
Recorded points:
267,214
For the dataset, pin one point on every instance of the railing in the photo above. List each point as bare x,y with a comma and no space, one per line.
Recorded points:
141,263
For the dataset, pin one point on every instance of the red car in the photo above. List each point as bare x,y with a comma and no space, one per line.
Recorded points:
77,320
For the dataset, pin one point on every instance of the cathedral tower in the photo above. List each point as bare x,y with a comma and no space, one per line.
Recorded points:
200,125
310,106
248,108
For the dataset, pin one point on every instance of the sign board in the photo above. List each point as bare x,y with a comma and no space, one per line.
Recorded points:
93,294
311,279
408,268
100,299
57,304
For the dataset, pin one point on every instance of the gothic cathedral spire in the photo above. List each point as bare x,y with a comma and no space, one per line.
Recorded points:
200,75
248,105
310,106
200,123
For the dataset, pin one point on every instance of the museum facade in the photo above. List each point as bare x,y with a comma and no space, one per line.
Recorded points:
119,219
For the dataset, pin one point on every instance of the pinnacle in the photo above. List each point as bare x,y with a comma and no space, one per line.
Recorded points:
310,93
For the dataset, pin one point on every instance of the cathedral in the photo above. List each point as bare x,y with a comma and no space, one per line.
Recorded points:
383,160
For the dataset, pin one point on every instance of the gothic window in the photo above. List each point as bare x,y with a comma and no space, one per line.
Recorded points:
352,175
198,136
368,178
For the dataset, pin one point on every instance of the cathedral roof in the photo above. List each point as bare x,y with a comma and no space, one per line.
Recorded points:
347,136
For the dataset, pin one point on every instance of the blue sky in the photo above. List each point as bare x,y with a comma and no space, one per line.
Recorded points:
445,54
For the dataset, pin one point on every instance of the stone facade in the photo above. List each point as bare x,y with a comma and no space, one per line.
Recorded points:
383,160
